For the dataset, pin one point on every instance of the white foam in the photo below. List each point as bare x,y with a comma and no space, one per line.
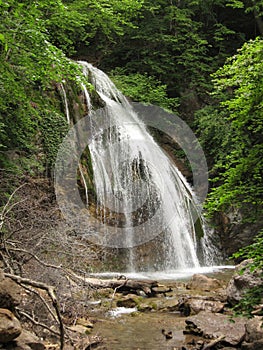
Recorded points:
166,275
118,311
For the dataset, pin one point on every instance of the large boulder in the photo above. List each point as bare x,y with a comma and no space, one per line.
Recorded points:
10,293
10,327
203,283
198,305
27,339
242,280
193,305
212,326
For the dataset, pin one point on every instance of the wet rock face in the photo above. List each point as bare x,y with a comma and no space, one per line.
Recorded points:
10,327
232,232
212,326
203,283
239,283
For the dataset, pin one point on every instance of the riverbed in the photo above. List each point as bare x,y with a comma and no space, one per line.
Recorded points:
129,329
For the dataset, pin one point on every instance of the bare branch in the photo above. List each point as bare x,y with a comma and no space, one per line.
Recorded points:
51,292
36,322
43,301
35,257
5,210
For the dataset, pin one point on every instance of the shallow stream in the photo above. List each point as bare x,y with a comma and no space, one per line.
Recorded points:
142,331
127,329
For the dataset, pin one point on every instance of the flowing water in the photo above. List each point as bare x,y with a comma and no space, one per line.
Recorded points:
141,196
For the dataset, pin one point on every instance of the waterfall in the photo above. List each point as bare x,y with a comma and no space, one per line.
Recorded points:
142,204
137,186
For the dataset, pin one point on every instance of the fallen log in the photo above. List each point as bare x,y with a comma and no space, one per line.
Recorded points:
123,285
147,286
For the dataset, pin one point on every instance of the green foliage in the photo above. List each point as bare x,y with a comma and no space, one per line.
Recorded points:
247,304
239,115
30,65
143,88
179,44
165,44
76,22
254,251
53,129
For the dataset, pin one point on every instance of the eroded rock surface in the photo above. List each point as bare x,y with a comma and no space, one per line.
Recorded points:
198,305
254,330
10,293
27,340
203,283
211,326
257,345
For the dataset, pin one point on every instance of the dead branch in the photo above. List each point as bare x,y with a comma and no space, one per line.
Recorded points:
31,290
51,292
36,323
115,290
35,257
7,207
6,262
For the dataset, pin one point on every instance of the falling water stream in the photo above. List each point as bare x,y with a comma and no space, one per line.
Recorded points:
140,193
140,197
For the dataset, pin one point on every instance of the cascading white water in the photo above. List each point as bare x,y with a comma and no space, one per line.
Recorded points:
138,188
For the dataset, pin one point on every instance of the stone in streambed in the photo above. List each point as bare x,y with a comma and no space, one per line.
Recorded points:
169,305
129,301
78,328
203,283
85,322
143,307
161,289
211,326
193,305
198,305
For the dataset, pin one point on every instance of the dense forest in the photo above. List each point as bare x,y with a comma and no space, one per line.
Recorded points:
200,59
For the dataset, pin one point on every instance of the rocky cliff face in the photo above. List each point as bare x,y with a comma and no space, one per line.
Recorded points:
232,232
